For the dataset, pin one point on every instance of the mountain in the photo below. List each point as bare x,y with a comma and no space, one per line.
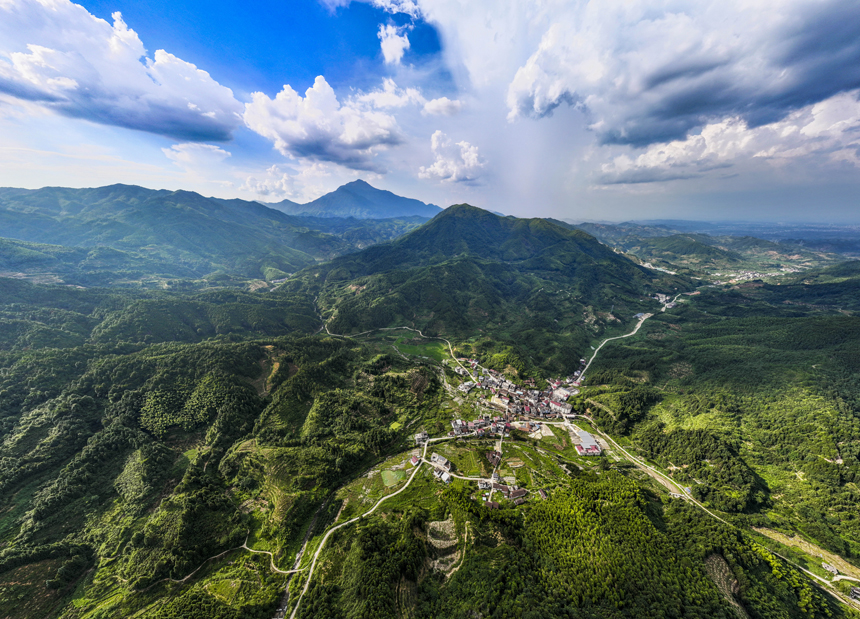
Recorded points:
124,233
190,234
167,454
545,289
360,200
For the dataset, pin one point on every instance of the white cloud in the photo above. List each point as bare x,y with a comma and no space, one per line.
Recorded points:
407,7
394,43
443,106
55,53
318,127
301,183
390,96
826,131
648,72
454,162
194,157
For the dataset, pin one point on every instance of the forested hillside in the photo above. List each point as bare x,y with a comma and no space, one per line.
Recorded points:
124,234
225,453
469,273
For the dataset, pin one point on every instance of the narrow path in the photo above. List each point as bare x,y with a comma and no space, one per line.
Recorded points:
271,558
842,577
357,518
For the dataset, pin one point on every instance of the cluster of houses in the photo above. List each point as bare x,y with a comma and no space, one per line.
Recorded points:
520,400
482,426
517,495
441,468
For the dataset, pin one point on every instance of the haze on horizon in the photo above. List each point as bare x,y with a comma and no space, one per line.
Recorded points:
591,110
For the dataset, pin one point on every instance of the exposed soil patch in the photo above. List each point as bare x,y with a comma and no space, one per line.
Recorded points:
719,571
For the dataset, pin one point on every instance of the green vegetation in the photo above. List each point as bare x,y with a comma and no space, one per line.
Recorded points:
151,439
705,255
540,292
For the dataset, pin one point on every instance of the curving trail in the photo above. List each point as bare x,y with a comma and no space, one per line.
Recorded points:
618,337
271,559
357,518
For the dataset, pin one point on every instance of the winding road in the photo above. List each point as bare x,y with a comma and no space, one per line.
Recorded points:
639,463
618,337
357,518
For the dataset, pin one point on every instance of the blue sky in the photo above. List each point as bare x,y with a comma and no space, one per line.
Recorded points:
580,109
262,46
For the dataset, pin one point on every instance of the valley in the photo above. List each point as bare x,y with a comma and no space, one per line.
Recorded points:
471,414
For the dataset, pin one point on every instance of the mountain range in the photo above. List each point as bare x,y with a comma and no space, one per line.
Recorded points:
122,233
177,452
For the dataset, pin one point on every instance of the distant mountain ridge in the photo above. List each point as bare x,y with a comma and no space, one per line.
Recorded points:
122,232
360,200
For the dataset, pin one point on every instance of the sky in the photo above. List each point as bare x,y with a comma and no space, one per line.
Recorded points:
604,110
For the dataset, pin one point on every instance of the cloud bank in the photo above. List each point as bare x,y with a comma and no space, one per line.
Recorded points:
58,55
648,72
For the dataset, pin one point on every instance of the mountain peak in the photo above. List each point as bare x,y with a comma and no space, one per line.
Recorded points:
358,183
361,200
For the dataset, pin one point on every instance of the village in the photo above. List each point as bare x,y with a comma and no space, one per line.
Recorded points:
504,407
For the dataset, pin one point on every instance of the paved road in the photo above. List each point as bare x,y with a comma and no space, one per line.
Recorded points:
619,337
827,586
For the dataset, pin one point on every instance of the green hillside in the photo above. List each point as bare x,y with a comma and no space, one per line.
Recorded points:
124,234
527,283
171,453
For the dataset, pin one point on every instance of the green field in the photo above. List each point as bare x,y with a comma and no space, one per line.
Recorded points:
391,478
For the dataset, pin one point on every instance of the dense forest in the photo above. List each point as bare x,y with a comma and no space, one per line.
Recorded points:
178,452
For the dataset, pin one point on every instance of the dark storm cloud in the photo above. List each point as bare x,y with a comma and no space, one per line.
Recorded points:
664,77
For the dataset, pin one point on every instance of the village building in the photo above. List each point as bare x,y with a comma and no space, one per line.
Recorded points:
466,387
561,394
515,494
415,460
560,407
492,505
421,438
440,462
589,446
519,501
542,493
